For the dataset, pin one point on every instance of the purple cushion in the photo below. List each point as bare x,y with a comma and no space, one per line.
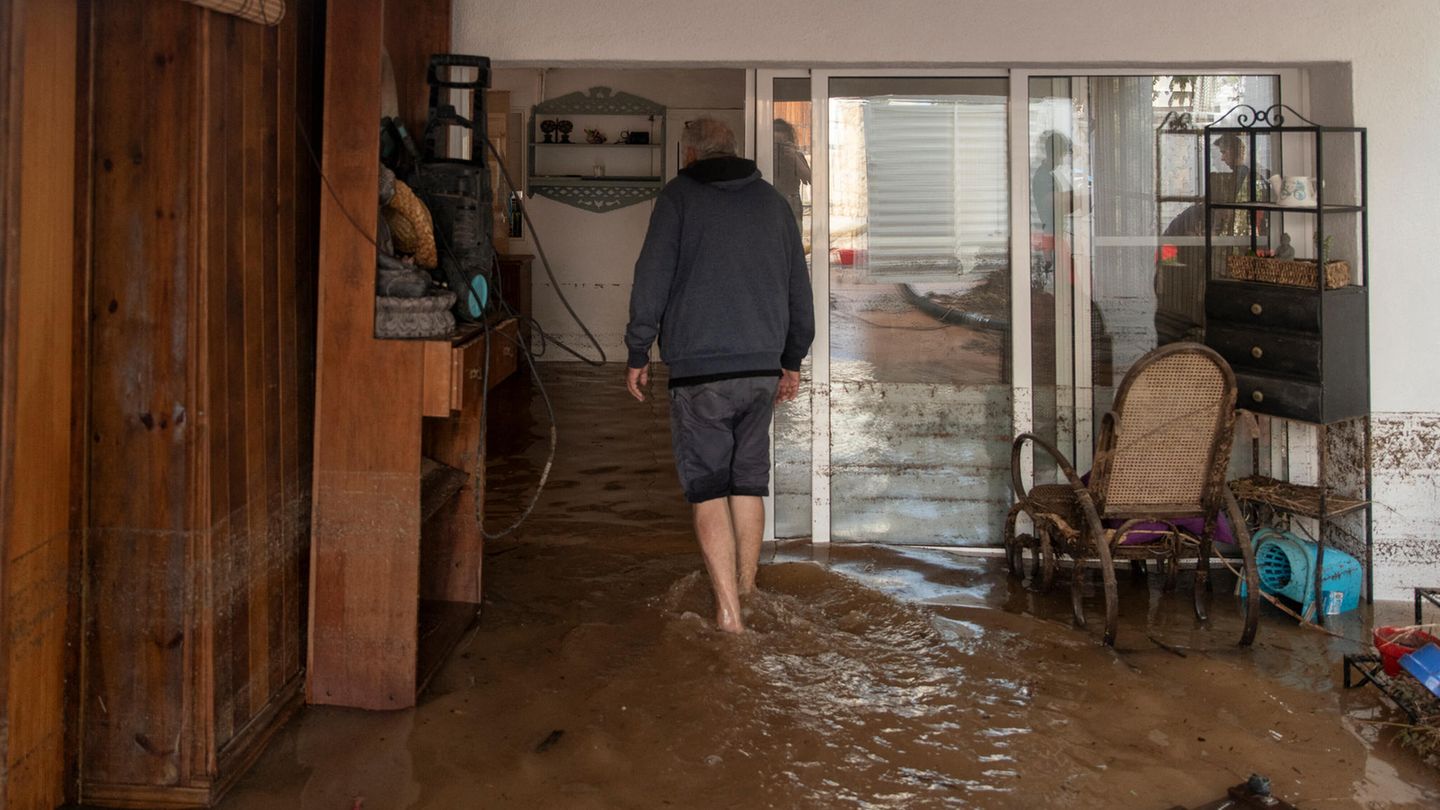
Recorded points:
1150,532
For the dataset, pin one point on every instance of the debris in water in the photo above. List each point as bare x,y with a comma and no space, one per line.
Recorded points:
550,740
1166,647
1252,793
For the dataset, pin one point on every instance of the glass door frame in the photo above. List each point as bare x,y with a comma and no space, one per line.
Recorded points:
1294,91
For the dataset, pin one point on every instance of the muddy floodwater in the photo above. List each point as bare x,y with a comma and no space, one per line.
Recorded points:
871,676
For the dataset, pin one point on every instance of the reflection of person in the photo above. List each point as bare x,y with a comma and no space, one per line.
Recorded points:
1180,265
1234,185
791,167
1232,154
722,281
1050,182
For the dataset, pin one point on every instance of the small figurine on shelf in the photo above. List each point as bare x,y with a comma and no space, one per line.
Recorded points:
564,128
548,127
594,136
1286,250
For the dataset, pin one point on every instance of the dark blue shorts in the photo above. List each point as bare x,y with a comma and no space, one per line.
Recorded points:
721,434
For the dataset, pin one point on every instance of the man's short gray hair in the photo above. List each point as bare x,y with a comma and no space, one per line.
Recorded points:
709,137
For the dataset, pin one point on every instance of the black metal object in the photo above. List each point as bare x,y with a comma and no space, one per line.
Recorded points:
1253,793
1405,693
1306,359
1423,595
457,188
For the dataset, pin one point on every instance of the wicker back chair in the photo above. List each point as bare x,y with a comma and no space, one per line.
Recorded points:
1163,453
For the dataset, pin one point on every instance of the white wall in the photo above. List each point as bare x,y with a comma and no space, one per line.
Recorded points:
1388,64
593,254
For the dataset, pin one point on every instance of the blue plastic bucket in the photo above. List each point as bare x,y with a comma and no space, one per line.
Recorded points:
1424,665
1286,565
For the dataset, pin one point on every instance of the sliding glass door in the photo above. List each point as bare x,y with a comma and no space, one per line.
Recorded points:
1118,229
990,255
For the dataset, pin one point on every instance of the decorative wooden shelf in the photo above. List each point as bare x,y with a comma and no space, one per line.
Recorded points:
571,180
597,194
396,546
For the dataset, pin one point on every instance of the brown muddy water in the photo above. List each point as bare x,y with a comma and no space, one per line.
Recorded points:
872,677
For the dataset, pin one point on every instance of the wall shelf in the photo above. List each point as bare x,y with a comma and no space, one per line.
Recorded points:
602,145
560,171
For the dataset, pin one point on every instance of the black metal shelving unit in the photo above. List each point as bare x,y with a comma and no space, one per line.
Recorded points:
1299,353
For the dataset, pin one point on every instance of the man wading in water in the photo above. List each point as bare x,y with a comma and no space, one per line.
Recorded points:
722,281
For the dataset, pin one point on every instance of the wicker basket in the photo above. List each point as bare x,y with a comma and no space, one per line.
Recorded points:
1291,272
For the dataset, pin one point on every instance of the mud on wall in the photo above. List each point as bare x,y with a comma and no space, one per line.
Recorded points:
1405,455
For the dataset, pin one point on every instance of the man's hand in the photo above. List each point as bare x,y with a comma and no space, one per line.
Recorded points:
789,386
637,379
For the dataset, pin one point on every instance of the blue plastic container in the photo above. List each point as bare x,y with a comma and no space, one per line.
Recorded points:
1287,568
1424,664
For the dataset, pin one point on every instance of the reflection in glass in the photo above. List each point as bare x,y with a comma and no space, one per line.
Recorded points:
919,310
791,177
1128,227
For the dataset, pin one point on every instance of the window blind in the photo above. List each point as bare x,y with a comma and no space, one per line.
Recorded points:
936,178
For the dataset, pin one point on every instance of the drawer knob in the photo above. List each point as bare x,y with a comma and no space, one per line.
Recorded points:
1257,352
1258,396
1256,309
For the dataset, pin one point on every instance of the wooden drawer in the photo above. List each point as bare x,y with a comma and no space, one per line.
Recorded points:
453,372
1267,306
470,367
1291,399
1266,351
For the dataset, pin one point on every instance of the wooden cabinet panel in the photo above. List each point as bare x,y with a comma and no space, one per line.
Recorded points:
198,399
38,218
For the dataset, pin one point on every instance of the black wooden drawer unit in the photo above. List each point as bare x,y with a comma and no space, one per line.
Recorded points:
1291,360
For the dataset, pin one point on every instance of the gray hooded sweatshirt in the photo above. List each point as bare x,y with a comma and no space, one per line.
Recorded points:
721,279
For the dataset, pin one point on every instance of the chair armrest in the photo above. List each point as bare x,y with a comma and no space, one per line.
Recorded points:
1082,493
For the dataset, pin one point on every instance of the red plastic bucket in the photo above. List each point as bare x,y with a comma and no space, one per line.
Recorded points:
1395,643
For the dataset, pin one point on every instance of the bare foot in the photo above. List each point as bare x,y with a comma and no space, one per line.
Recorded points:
729,622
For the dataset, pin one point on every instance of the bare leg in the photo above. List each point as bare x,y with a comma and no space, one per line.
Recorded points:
747,515
717,545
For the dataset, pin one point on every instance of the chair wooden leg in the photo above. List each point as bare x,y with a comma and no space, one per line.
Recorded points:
1172,572
1139,571
1077,592
1202,578
1012,546
1112,595
1251,571
1046,554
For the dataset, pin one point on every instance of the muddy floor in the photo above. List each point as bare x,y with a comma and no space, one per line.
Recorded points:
873,677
